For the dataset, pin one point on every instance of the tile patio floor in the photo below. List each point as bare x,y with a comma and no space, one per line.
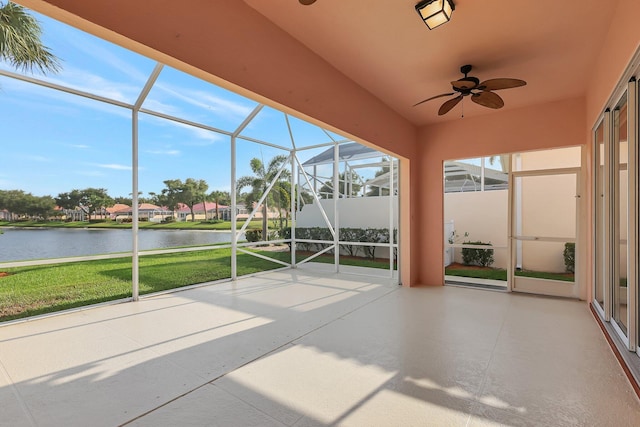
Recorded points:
309,347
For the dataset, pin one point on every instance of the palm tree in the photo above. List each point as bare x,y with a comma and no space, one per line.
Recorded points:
260,182
219,196
20,43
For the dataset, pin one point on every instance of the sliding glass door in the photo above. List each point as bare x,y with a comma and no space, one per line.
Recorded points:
620,264
615,213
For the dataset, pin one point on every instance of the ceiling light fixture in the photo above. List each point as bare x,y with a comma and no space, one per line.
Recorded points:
435,12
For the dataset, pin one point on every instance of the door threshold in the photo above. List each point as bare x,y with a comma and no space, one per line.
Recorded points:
484,286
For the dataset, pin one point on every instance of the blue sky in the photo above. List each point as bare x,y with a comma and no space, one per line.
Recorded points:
53,142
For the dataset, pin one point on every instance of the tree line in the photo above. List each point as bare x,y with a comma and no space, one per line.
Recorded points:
93,202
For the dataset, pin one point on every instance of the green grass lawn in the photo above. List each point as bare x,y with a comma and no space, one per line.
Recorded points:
488,273
28,291
501,274
187,225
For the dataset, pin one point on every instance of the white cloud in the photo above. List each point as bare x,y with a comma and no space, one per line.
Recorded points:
201,99
164,152
79,146
36,158
53,101
95,48
90,173
114,166
154,104
86,81
205,137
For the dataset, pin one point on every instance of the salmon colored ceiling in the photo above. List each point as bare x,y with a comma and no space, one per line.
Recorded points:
385,47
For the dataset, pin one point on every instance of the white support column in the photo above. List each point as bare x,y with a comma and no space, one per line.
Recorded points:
294,211
391,217
336,196
234,212
135,266
517,188
315,179
512,243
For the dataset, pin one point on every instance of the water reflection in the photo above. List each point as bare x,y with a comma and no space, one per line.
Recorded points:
26,243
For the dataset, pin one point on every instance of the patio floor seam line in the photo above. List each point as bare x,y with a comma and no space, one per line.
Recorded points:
16,393
163,404
485,376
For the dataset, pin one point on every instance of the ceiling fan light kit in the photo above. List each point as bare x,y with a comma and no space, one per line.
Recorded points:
481,92
435,12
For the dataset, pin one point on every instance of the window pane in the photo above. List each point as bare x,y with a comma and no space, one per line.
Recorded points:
620,290
463,175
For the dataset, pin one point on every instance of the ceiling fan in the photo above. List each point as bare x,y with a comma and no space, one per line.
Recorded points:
307,2
481,93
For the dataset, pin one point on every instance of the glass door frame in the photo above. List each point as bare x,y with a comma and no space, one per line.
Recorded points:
600,267
514,238
611,252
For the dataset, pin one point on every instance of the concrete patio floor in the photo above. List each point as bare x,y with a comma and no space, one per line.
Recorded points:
309,347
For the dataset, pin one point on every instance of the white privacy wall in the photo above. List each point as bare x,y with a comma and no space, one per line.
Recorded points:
484,216
356,212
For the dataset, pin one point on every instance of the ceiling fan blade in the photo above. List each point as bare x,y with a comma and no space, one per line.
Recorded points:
434,97
497,84
488,99
448,105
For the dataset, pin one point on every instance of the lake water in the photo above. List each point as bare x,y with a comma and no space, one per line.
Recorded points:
18,244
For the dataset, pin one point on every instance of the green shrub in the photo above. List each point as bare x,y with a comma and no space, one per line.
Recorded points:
273,234
350,235
569,255
370,235
477,256
253,235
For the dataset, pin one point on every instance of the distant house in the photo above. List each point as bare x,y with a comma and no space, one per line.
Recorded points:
5,215
146,212
113,210
202,211
272,212
225,212
75,214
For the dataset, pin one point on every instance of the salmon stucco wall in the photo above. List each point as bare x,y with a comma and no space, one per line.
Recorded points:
618,48
550,125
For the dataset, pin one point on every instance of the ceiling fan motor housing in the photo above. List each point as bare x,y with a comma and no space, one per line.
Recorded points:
465,84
